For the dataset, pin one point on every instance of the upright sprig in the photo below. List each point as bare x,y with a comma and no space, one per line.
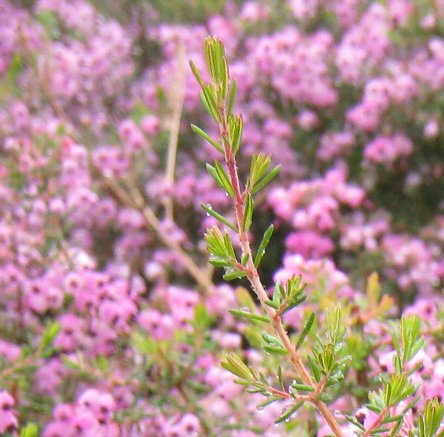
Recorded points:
407,341
218,97
431,419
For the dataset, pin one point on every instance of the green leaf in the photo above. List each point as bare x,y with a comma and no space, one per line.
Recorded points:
295,287
294,303
272,304
270,339
217,64
101,363
139,111
196,73
266,179
206,137
229,246
430,420
249,316
48,19
326,358
302,387
376,403
248,214
279,293
142,343
209,210
224,178
236,126
274,345
217,261
209,100
49,334
232,98
307,327
30,430
258,167
411,331
253,336
391,419
293,294
220,246
395,429
275,350
407,340
280,378
335,325
397,389
236,366
288,413
263,246
225,182
267,402
315,369
202,318
8,81
234,274
255,390
325,397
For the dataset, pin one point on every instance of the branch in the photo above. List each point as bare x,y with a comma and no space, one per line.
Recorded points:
218,97
255,281
177,97
136,201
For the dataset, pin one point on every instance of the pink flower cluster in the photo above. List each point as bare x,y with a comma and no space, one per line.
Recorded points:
388,149
8,417
91,415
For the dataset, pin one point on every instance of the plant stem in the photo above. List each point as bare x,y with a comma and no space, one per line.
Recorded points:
177,97
255,281
376,423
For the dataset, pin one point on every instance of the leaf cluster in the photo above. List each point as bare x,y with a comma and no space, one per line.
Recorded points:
328,362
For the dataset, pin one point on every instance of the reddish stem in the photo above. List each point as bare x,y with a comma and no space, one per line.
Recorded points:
376,423
255,281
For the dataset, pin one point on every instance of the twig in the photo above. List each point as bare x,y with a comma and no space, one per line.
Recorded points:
255,281
177,98
43,76
136,201
376,423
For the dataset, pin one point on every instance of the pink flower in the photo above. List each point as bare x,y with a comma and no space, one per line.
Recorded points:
8,419
431,129
160,326
386,150
309,244
9,350
253,11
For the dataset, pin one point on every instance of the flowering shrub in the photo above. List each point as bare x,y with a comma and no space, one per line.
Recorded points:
321,202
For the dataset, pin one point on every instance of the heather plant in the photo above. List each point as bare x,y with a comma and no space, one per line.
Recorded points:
314,181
